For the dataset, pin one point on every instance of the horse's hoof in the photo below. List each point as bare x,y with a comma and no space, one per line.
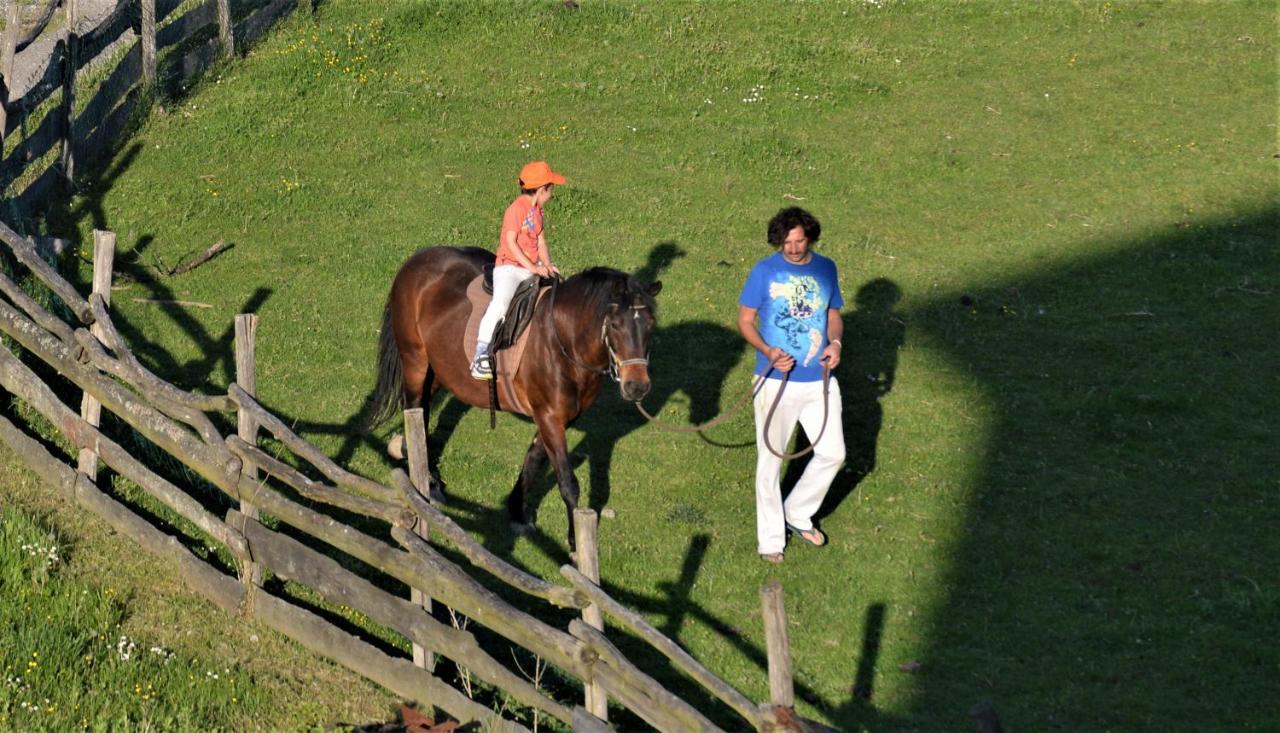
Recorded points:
522,529
395,446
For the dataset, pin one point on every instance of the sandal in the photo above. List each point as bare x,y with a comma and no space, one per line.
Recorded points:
813,535
771,557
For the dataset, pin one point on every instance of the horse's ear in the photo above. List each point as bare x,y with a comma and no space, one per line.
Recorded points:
654,288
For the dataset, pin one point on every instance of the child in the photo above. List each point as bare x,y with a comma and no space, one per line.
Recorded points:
522,253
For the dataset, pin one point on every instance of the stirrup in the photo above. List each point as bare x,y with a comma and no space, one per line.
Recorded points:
482,367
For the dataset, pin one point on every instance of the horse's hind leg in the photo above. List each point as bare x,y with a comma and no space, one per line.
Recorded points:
435,484
517,500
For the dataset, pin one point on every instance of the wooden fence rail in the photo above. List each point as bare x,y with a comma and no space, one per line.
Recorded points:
114,99
92,355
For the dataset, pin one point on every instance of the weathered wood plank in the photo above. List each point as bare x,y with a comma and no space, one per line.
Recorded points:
397,675
200,577
424,568
104,257
300,482
635,623
26,253
415,432
19,380
35,311
185,25
246,348
292,560
142,378
308,452
618,675
213,462
147,31
585,524
585,722
479,556
777,645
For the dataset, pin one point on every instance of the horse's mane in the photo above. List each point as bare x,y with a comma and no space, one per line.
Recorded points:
601,286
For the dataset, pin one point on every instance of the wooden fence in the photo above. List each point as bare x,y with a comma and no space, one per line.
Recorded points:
45,131
43,128
88,351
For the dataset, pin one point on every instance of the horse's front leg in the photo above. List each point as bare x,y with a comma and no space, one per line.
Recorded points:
551,432
517,500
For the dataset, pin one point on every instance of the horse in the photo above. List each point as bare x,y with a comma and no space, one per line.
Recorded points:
595,323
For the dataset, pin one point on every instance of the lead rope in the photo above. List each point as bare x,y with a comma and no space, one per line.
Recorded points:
756,385
826,413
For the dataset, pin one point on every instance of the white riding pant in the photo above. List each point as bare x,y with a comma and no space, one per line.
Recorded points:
506,278
801,403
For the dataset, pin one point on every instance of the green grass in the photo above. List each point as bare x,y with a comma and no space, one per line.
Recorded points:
69,665
1056,228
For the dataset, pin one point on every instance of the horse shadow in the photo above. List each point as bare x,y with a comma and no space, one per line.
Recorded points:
873,333
687,363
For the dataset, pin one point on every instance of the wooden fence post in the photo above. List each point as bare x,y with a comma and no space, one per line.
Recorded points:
224,29
778,645
149,42
104,252
7,53
415,439
69,91
246,425
585,524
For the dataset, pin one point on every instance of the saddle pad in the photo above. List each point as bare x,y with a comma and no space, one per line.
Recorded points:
508,359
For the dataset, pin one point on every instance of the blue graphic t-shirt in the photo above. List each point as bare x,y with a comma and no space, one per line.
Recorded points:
791,303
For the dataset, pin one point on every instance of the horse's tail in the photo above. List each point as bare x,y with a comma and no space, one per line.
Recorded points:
388,395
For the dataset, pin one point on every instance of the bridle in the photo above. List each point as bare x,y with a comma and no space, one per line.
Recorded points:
613,364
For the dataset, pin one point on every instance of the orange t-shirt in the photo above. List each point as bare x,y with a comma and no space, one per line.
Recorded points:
526,220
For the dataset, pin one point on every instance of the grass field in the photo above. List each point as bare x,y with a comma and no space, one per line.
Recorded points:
1056,225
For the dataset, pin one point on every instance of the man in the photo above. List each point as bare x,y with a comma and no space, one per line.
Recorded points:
790,312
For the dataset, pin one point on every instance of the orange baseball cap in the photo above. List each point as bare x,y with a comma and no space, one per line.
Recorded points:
538,174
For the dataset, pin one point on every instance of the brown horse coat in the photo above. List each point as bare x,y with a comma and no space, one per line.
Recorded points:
597,321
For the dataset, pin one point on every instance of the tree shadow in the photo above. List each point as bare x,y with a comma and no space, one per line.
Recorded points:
1123,506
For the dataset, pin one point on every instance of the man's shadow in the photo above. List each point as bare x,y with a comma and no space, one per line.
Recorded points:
873,334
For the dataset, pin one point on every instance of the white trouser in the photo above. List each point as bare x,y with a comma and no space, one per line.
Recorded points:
801,403
506,278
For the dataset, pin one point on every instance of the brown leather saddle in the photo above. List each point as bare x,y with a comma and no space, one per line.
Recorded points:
509,338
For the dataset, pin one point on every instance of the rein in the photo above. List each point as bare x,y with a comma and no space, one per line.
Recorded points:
756,385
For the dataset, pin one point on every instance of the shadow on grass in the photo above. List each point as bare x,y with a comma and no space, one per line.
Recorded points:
873,333
1119,544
